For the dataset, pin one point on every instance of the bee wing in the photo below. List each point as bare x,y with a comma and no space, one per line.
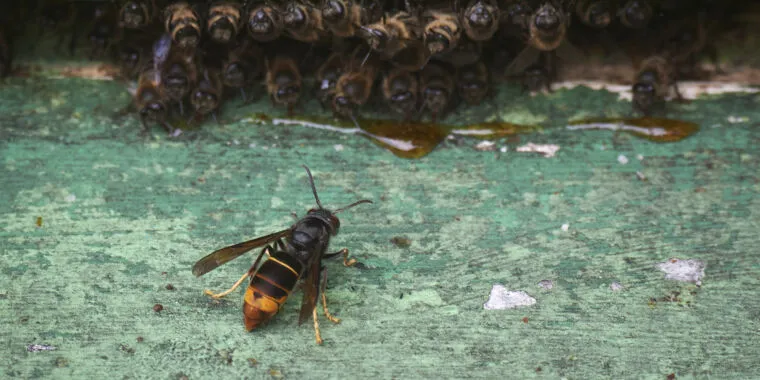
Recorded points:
221,256
527,57
310,287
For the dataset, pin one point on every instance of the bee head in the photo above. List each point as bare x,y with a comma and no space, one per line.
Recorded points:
479,16
547,18
644,95
333,11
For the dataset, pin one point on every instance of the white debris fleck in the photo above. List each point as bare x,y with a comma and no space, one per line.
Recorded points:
39,347
565,227
616,286
737,119
71,198
503,149
338,147
236,142
252,145
501,298
176,132
641,176
690,270
485,146
548,150
639,157
546,284
622,159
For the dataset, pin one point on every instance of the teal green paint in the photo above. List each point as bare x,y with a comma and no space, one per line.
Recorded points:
87,280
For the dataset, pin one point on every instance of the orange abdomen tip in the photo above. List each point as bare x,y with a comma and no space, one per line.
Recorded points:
258,308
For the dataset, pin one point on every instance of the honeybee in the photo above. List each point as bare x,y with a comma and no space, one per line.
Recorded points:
401,91
595,13
343,17
303,21
548,26
466,52
102,30
354,88
480,19
224,21
183,23
179,73
536,78
242,66
436,87
265,23
327,76
137,14
207,94
60,16
442,31
293,255
130,56
635,13
514,19
472,83
654,80
391,34
148,100
283,81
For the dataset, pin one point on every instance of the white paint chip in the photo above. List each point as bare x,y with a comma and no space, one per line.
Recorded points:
338,147
503,149
639,157
616,286
690,270
548,150
71,198
501,298
737,119
486,146
546,284
565,227
622,159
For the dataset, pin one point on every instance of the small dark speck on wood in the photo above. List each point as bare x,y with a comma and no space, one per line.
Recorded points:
401,241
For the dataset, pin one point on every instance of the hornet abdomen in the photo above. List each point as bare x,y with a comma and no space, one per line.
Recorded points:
269,288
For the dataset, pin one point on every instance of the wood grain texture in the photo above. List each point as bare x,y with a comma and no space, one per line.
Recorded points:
124,216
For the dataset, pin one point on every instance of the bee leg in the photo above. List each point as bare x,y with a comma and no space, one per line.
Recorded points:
181,108
213,114
245,98
316,326
228,291
712,54
322,287
679,97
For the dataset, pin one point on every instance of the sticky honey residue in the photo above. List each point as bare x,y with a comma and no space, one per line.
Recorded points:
415,139
406,139
651,128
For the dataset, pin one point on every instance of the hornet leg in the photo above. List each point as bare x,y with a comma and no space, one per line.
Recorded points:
322,289
344,252
316,326
228,291
211,294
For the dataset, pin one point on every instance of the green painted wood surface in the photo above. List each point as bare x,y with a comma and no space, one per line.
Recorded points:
123,216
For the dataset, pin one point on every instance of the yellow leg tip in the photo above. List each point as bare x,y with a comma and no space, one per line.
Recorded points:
349,263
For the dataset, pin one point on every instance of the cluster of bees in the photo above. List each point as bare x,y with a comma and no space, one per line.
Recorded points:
416,57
